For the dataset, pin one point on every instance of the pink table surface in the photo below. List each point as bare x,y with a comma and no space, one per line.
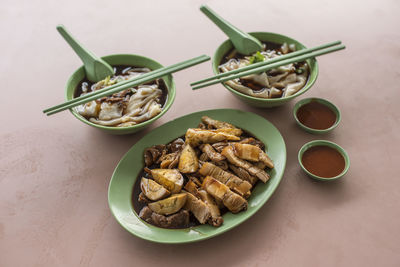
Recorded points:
54,171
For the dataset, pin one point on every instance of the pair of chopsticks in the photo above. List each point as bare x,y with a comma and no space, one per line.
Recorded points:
258,67
147,77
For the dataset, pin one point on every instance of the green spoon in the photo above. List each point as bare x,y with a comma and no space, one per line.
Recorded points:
243,42
96,69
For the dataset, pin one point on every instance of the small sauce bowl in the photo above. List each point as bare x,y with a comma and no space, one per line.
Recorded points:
321,160
317,111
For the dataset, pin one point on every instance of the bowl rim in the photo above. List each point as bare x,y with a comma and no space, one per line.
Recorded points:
331,144
168,103
308,85
322,101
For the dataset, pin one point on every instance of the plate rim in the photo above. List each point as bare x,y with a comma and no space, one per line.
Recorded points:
204,237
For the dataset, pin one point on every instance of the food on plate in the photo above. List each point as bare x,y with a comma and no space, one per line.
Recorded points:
179,219
172,179
232,181
169,205
221,192
152,190
188,161
126,108
279,82
198,177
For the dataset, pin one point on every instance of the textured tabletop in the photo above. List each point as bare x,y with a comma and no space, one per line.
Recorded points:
55,171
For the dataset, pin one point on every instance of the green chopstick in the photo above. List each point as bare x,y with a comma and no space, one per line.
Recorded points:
270,61
266,67
158,73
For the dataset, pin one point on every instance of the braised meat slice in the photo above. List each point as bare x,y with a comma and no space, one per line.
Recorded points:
191,187
243,174
218,190
216,219
219,146
252,153
199,209
232,181
211,153
195,137
222,164
152,154
252,141
176,145
177,220
220,125
169,161
229,153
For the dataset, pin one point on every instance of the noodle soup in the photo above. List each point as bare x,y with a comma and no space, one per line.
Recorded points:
126,108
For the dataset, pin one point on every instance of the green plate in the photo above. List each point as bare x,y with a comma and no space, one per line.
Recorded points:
125,174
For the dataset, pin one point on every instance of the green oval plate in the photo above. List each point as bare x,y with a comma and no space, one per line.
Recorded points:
127,170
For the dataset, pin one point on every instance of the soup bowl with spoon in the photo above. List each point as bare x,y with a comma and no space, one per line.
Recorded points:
250,44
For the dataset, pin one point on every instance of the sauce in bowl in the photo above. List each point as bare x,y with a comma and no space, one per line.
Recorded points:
323,161
316,115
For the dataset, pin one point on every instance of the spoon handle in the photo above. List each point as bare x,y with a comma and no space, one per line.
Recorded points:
86,56
230,30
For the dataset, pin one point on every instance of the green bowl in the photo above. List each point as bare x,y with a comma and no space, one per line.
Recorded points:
261,102
122,59
330,105
308,145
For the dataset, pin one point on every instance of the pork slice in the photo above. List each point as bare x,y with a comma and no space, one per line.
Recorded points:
252,141
152,154
219,146
234,202
211,153
191,187
216,123
243,174
169,161
221,125
195,137
215,219
199,209
252,153
232,181
229,153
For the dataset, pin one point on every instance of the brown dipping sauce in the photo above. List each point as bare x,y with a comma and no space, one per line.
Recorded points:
316,115
323,161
